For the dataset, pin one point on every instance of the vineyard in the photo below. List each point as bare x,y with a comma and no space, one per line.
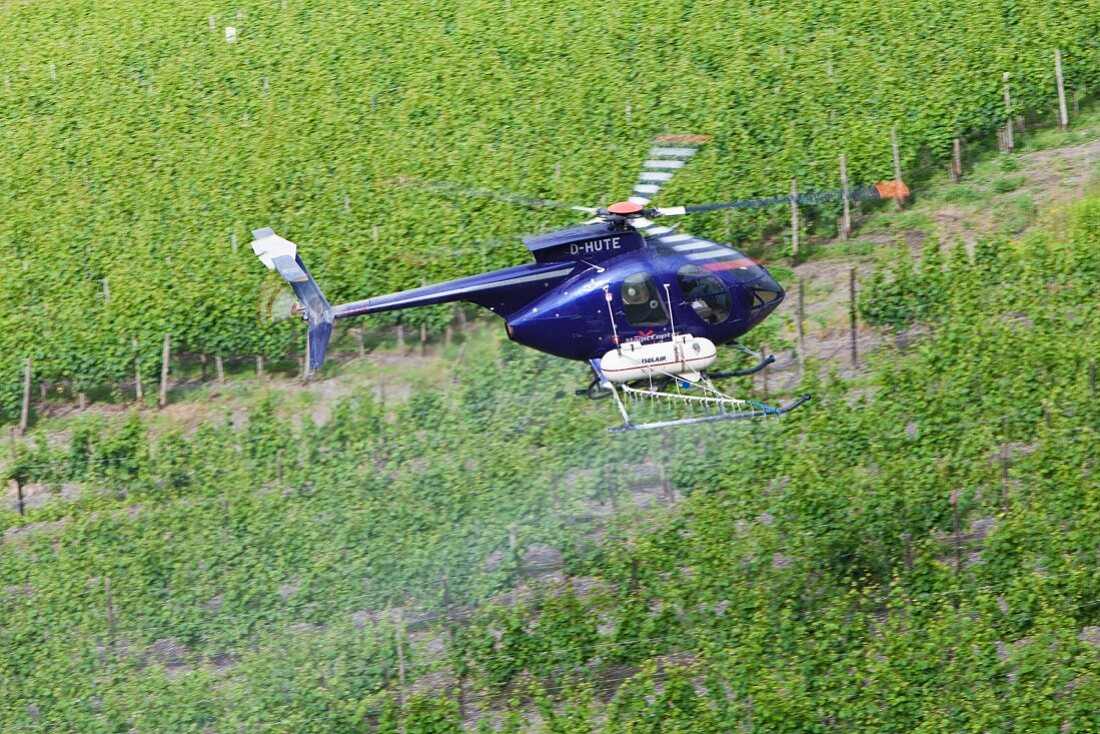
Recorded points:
916,551
140,146
446,540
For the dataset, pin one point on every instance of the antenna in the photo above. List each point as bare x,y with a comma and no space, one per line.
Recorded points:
671,317
611,315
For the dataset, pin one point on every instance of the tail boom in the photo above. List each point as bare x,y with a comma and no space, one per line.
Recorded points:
500,291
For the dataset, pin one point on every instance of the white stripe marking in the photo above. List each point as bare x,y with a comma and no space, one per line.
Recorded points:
671,239
719,252
637,200
674,152
641,223
660,231
654,176
647,188
663,164
689,246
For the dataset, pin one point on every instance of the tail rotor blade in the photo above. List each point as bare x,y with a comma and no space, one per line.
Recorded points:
276,301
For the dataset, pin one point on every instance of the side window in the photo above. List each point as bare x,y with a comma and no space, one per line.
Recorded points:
642,302
706,293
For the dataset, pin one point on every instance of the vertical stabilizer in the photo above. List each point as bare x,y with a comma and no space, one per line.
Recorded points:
282,255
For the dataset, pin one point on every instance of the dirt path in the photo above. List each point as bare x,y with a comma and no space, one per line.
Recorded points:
1047,179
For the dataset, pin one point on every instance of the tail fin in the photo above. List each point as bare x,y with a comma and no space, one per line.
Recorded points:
282,255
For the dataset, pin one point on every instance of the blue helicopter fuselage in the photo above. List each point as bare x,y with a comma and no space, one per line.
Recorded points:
597,286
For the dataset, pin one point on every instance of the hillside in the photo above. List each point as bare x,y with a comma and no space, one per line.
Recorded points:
436,534
915,551
141,147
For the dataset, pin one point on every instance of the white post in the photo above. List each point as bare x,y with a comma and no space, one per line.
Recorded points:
1061,89
899,201
846,225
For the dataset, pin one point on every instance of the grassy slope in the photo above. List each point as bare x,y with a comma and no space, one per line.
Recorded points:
151,142
243,595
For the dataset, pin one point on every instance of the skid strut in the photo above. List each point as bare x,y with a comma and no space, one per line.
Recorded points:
759,410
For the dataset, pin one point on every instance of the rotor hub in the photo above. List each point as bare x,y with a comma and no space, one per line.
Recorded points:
625,209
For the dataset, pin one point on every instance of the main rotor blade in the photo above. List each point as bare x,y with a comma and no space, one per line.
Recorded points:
667,155
881,190
480,193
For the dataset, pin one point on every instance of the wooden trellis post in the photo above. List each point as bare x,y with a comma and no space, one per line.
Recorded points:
794,222
956,524
764,373
18,480
165,357
899,200
846,221
800,316
1062,113
1009,143
305,363
25,414
399,634
110,604
852,320
139,391
956,161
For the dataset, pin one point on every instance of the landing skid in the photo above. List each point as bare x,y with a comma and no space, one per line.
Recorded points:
761,412
761,364
715,405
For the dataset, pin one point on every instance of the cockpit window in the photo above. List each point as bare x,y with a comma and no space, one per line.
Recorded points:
642,302
765,291
706,293
747,271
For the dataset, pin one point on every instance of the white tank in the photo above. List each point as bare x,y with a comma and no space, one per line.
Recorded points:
685,356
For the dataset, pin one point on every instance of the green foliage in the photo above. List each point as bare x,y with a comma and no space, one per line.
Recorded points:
140,147
868,563
1004,184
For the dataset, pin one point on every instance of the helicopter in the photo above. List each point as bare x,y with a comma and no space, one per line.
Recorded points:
644,305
